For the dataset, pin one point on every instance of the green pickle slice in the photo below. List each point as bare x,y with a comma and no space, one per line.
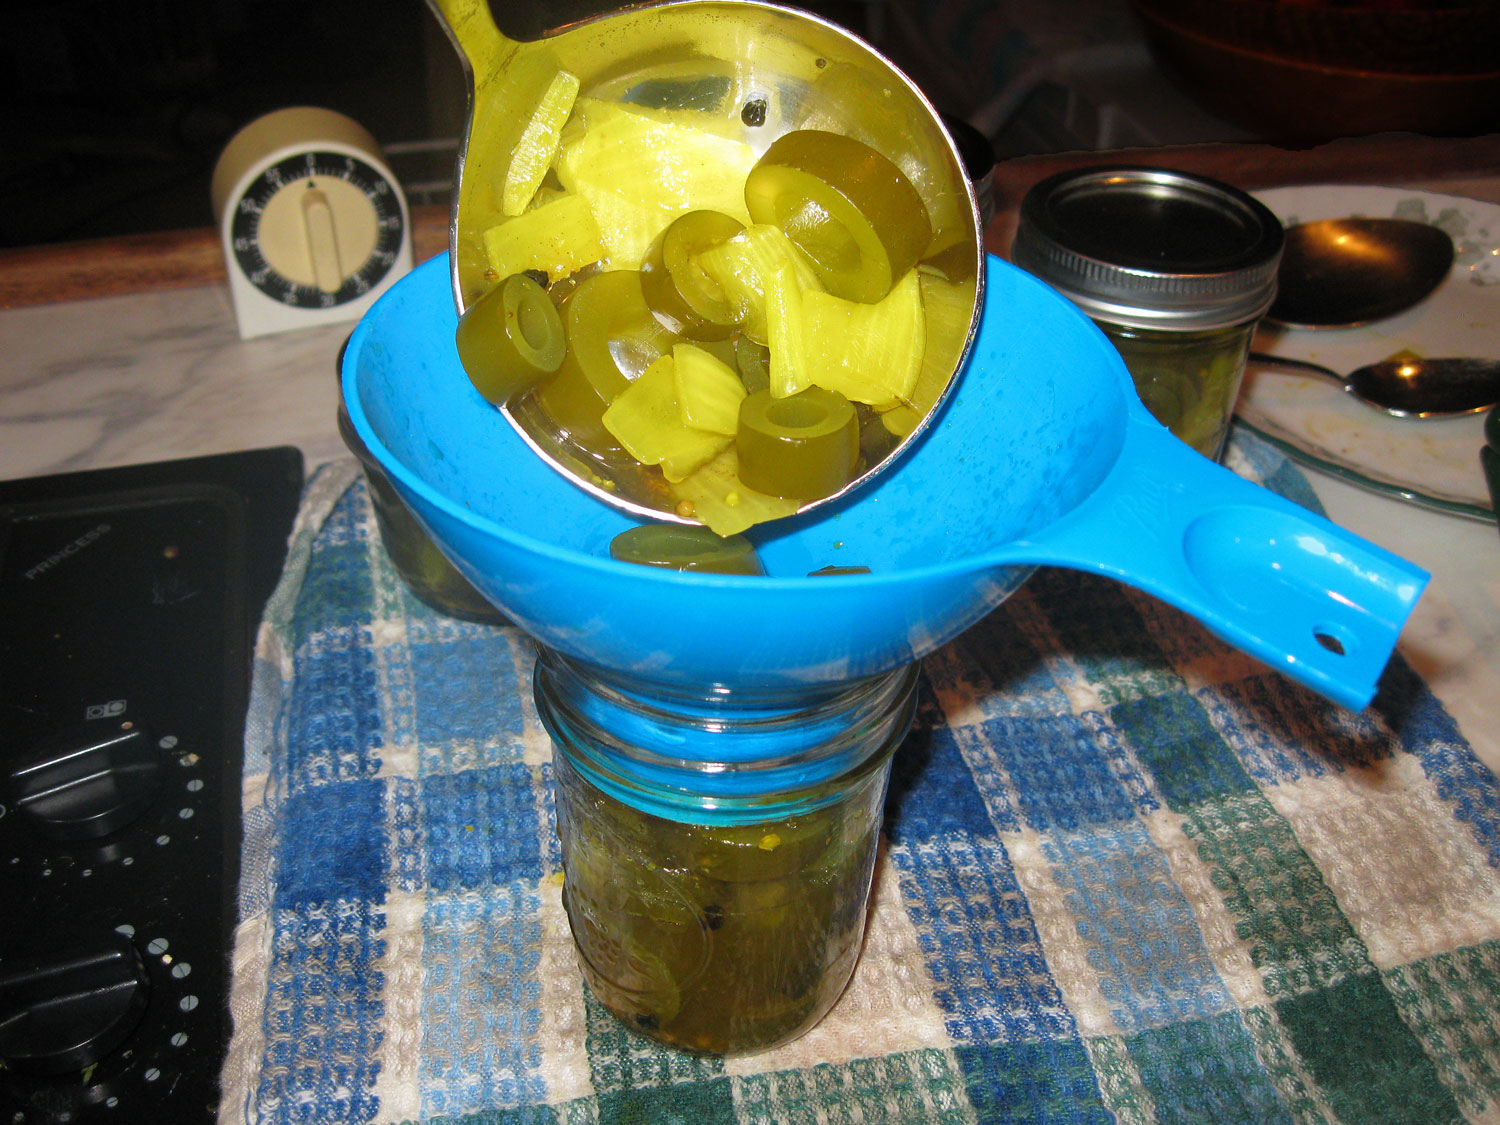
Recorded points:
612,338
510,339
677,547
850,209
675,285
805,445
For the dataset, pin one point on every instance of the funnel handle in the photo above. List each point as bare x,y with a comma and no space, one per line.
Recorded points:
1314,601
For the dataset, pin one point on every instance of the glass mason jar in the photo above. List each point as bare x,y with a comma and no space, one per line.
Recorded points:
1188,380
718,846
426,571
1176,269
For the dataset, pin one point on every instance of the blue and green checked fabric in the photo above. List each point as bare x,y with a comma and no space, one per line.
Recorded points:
1129,875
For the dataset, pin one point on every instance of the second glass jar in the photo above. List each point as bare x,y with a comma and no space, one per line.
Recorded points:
1188,380
1176,269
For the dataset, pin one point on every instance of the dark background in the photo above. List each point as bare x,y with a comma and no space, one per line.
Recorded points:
116,110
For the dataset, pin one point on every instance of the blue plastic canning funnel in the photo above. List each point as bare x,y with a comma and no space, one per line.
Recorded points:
1043,455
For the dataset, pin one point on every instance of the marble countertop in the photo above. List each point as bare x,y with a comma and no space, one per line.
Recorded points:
162,373
155,376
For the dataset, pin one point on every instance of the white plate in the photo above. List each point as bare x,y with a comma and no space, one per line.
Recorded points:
1430,462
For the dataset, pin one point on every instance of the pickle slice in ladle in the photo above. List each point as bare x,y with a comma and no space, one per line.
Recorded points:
510,339
850,209
804,446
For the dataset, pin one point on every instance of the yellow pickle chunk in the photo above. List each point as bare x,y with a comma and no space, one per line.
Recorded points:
558,238
639,172
743,266
537,146
867,353
644,418
709,391
725,504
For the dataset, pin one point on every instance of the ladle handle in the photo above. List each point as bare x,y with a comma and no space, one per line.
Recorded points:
1284,585
481,45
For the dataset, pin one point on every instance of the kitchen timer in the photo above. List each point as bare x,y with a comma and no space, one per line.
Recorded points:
313,223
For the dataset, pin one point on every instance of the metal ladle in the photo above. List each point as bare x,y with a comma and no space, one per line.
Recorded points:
786,68
1338,273
1409,388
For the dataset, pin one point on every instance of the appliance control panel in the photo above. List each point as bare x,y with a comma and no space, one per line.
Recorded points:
124,674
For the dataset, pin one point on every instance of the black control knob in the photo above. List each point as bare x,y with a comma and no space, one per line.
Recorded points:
63,1012
87,782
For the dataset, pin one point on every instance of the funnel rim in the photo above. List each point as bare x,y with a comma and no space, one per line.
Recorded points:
408,479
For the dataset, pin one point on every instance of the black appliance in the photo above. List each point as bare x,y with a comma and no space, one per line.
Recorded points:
129,600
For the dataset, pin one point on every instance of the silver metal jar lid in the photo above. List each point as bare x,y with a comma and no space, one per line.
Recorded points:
1150,247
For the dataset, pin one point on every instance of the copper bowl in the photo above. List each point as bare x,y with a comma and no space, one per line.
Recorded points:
1311,70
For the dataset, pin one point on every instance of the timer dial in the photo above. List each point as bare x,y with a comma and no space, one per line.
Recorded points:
314,224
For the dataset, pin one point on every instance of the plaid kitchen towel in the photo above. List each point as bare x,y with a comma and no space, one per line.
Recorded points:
1129,875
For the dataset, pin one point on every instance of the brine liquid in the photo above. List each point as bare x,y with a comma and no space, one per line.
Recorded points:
1188,380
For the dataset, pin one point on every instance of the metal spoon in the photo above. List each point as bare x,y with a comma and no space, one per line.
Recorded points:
1410,388
1338,273
778,68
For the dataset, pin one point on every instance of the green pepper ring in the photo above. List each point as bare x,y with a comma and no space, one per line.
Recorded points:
849,208
510,339
677,547
675,285
605,314
607,317
804,446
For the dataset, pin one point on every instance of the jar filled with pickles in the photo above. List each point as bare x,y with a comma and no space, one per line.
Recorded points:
1176,269
718,845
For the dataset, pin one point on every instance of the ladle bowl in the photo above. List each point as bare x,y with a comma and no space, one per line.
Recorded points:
1042,455
751,71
